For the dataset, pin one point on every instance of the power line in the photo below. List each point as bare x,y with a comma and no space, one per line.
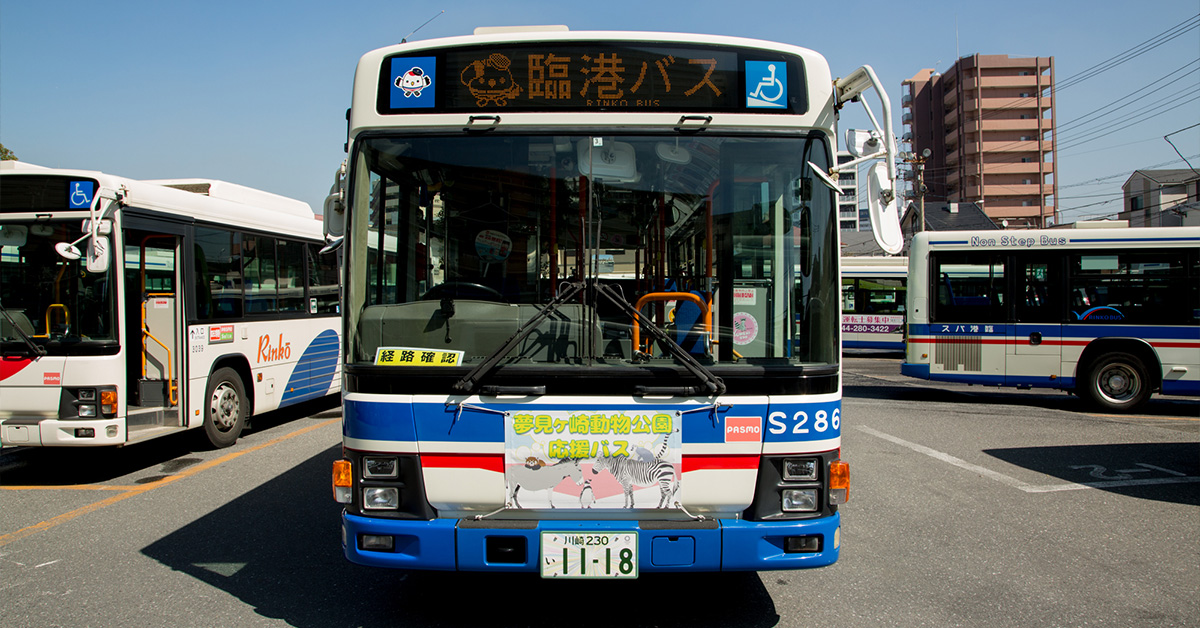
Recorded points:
1132,53
1141,90
1119,174
1147,116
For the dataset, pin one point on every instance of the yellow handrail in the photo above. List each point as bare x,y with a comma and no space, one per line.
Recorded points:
172,388
667,296
66,318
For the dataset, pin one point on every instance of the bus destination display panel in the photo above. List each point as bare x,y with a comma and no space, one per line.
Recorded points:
592,77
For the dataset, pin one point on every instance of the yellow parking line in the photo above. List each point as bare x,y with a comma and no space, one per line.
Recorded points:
1144,416
131,491
72,487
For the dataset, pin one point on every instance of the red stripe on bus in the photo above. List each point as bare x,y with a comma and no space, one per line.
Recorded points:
12,366
740,461
487,462
1020,340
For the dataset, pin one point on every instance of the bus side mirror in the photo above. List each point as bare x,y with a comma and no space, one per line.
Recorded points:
884,208
97,255
862,143
333,220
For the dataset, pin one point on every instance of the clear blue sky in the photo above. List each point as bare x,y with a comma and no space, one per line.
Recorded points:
255,92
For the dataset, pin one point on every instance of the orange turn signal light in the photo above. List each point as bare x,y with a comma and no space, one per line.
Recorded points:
839,482
342,475
108,401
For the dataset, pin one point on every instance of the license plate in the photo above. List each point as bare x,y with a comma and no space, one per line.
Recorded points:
589,554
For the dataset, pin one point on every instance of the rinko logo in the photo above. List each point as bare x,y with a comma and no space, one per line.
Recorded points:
1101,313
268,352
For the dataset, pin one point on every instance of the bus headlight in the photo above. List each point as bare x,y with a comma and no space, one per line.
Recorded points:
380,467
381,498
799,500
87,411
800,469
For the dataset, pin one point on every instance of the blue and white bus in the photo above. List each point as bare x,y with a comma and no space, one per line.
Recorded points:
134,309
1111,315
873,301
591,303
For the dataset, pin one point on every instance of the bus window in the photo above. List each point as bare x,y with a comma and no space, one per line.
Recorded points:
222,261
970,287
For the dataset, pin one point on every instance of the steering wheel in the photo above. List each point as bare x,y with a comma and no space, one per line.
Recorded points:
463,290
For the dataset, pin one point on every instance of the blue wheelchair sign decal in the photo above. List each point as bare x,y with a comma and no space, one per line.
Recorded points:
80,194
766,84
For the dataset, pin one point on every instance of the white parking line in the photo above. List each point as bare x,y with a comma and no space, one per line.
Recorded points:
1025,486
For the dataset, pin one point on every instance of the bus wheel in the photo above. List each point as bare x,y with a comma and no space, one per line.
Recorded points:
225,408
1116,382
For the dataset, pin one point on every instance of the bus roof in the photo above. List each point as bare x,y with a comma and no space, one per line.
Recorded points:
238,194
206,200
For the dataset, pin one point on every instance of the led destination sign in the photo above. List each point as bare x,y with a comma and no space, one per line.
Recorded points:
596,76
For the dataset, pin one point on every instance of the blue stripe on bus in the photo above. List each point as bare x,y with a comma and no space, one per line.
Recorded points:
402,421
1163,332
897,345
314,371
1071,239
1181,387
1085,240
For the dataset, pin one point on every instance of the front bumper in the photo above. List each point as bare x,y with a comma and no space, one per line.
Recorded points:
61,433
712,545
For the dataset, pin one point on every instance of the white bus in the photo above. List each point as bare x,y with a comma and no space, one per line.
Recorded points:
873,302
1111,315
605,339
134,309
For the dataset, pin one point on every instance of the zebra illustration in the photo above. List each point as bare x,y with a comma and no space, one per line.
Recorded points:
646,471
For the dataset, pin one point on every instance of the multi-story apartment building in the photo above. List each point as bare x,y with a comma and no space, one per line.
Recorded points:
848,217
988,122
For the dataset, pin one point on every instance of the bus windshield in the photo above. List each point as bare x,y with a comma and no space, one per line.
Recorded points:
713,238
70,308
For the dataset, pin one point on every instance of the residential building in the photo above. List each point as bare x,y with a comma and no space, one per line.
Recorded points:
1162,198
988,123
848,217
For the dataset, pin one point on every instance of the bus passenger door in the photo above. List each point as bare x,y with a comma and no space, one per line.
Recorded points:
1034,351
154,331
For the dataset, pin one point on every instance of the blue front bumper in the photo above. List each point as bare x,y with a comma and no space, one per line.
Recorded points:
730,545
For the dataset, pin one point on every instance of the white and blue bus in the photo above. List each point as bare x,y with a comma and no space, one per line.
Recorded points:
135,309
873,302
591,303
1111,315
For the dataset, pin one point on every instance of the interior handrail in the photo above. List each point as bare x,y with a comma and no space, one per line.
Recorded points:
668,296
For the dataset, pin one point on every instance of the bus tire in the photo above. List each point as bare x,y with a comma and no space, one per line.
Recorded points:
225,408
1116,382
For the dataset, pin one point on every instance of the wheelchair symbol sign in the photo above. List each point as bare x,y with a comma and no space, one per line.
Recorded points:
80,194
766,84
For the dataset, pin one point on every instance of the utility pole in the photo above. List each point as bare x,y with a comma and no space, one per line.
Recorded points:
919,187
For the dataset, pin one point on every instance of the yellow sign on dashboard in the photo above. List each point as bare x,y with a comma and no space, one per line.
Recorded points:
416,356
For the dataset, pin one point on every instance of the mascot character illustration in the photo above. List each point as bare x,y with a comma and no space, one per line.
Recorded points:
412,82
490,80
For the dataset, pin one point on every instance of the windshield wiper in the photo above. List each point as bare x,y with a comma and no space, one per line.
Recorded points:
711,384
471,380
37,349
